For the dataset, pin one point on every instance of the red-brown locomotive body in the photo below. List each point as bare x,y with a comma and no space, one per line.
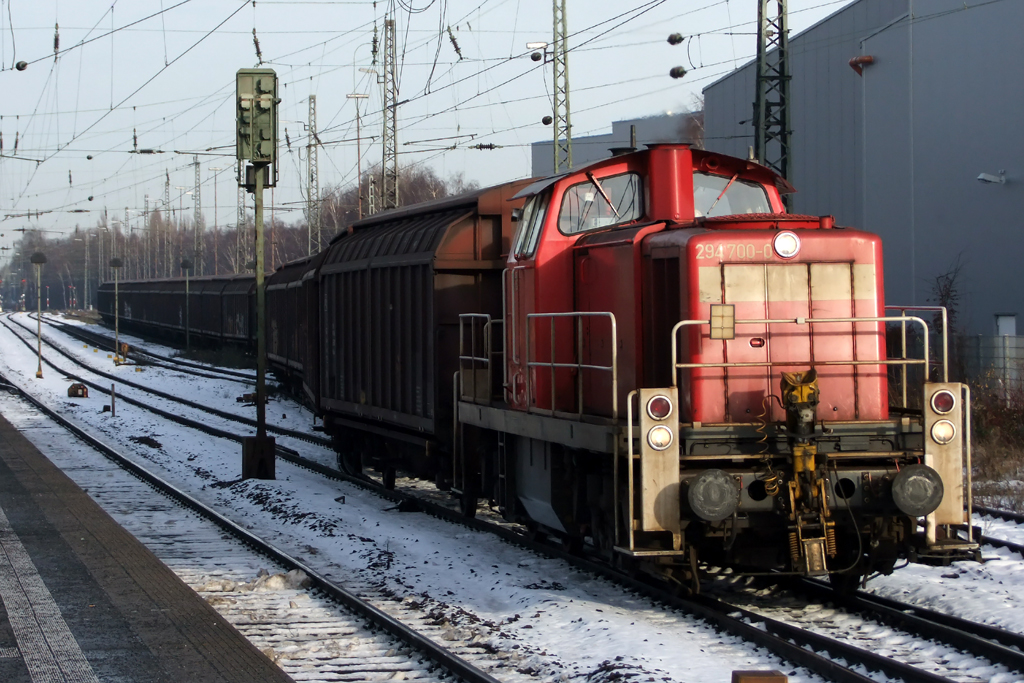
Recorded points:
647,356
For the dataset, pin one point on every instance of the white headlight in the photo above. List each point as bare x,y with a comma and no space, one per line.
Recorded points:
943,432
660,438
786,244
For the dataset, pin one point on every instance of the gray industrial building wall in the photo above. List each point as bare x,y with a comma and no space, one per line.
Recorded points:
825,110
681,127
898,150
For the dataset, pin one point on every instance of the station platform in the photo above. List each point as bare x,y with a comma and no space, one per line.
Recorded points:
84,601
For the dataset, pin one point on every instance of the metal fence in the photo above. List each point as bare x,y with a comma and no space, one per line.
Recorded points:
996,362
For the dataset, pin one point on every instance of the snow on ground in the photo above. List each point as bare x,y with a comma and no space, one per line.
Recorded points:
565,622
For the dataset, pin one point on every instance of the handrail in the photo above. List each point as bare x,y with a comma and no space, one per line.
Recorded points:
903,343
945,333
613,368
487,360
677,366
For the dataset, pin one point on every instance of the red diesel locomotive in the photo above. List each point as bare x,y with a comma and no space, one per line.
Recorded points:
646,357
690,373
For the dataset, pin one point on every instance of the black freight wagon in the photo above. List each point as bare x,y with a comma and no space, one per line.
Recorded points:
391,292
221,309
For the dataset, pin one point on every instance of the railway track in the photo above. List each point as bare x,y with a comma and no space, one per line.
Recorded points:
308,623
1006,516
785,640
223,414
105,342
881,640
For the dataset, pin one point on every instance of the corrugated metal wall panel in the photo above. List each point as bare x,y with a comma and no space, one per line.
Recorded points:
825,110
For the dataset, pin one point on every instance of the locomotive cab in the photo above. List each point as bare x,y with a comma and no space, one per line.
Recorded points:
691,373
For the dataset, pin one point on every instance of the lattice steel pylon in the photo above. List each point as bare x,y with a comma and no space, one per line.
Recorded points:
149,241
560,62
771,102
389,166
241,243
167,223
197,202
312,183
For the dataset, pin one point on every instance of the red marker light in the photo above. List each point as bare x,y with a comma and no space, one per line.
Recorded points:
659,407
943,401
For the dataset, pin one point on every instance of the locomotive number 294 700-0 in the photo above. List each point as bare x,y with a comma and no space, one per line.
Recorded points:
733,251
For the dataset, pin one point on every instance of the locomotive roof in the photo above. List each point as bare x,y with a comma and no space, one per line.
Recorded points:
699,155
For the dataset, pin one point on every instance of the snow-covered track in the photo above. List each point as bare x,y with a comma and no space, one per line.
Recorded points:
107,342
370,656
995,644
999,514
249,422
1005,516
866,637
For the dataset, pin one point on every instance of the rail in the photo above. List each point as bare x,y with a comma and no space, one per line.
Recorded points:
455,664
677,366
579,366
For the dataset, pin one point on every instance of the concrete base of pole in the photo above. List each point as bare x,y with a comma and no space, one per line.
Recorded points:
258,457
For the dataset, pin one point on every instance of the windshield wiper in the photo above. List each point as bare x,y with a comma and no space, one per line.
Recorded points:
727,186
590,176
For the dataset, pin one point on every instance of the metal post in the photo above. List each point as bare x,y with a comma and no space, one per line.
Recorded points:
389,164
216,225
38,259
199,250
771,103
186,265
312,184
560,89
87,270
261,341
116,264
359,153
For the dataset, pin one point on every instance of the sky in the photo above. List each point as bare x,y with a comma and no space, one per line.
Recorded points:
159,75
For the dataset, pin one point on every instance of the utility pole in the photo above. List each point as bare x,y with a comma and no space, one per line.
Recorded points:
312,183
560,62
241,250
771,100
124,240
356,96
86,270
197,249
389,170
149,248
216,226
167,223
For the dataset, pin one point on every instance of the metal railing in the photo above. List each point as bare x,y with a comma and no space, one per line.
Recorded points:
677,366
903,344
579,366
480,330
996,362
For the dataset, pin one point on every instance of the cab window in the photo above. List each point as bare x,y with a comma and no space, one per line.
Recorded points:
530,224
600,202
742,196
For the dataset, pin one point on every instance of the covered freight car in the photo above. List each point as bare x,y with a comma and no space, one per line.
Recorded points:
220,309
293,322
391,292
